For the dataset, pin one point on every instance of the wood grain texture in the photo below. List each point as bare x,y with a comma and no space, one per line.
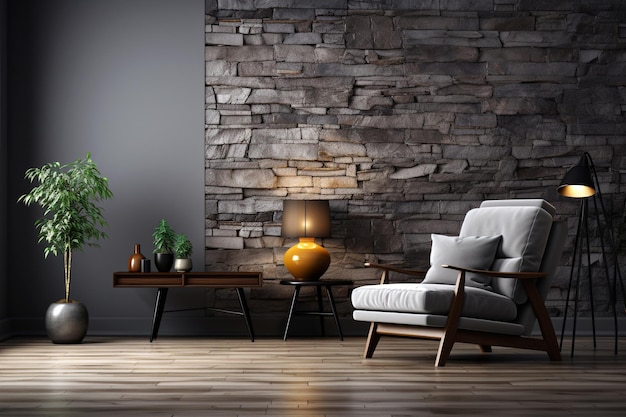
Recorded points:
303,377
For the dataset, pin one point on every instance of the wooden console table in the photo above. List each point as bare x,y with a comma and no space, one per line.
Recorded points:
166,280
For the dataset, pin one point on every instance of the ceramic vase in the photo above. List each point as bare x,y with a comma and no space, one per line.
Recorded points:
134,262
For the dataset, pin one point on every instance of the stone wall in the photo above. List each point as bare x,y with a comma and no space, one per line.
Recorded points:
404,115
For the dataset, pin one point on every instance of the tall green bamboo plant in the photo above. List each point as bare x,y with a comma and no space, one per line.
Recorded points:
71,219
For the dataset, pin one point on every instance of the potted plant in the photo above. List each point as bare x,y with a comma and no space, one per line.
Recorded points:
68,195
163,246
183,249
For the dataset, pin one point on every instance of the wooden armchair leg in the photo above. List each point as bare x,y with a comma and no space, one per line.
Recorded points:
372,341
447,340
452,324
445,347
543,319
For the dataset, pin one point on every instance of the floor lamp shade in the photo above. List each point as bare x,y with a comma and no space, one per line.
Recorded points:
306,220
577,182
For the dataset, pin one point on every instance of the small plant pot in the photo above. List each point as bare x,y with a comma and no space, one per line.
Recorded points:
182,265
163,261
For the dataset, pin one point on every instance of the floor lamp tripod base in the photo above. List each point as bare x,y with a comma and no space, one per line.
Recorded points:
581,243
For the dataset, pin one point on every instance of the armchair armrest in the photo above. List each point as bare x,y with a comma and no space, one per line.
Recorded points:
406,271
388,268
518,275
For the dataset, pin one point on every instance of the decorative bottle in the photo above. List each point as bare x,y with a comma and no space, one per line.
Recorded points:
134,262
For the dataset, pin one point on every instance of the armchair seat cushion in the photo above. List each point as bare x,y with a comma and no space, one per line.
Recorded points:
433,299
436,320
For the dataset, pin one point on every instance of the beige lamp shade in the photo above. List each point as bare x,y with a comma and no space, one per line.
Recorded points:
306,220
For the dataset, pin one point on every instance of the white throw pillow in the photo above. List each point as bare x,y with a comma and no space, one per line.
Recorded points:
471,252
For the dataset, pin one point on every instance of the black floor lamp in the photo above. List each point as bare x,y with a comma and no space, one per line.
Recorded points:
581,182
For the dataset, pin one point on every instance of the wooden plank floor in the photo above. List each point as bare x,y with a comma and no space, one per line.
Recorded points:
303,377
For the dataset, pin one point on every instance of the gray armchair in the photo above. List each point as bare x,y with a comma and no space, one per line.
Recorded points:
486,286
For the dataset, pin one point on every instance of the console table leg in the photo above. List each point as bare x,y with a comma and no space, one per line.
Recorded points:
158,312
246,312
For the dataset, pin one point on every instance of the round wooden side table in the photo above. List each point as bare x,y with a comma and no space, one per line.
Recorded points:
325,283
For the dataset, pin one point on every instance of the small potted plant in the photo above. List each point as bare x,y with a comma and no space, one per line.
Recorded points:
68,195
183,249
163,246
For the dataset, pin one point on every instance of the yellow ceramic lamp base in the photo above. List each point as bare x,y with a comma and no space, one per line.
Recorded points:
306,260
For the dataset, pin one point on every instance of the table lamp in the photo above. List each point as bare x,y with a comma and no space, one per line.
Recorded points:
306,220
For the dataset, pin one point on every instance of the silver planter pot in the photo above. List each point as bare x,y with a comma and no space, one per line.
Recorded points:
67,322
182,265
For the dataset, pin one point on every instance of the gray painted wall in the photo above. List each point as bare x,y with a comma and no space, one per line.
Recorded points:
122,80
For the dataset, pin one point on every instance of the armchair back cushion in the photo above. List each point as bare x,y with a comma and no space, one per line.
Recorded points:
524,229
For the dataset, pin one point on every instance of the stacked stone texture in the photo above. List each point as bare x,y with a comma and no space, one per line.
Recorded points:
404,115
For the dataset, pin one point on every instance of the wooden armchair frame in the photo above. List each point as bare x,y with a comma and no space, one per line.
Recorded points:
451,333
